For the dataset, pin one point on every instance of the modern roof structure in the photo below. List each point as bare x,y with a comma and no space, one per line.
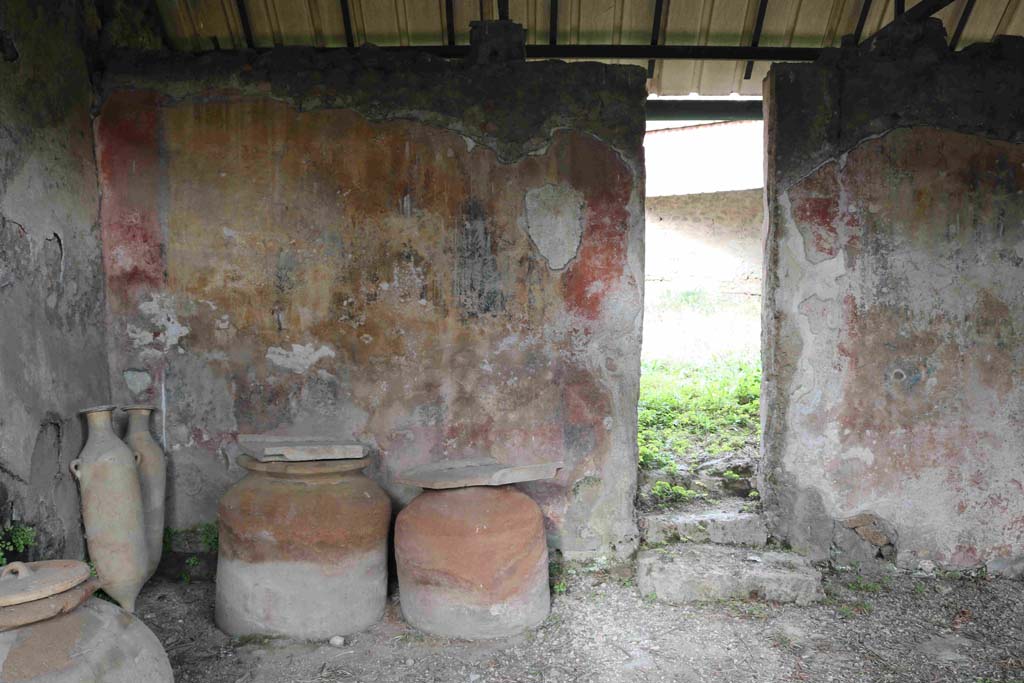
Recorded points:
705,47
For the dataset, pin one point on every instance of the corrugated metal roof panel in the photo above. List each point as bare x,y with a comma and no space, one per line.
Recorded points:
199,25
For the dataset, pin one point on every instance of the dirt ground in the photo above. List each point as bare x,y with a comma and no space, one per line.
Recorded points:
897,628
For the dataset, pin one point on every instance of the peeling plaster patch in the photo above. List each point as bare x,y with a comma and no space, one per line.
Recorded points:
137,380
300,359
160,310
554,221
139,336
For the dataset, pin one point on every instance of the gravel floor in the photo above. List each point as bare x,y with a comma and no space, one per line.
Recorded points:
895,628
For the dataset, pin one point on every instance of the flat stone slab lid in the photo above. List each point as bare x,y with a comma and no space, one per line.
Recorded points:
22,582
275,448
453,474
301,467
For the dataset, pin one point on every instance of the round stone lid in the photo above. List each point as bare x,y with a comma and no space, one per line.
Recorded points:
22,582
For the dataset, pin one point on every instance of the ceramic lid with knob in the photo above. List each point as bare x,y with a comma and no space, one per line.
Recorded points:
22,582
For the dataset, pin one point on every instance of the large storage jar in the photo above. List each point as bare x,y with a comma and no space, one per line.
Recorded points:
303,550
473,562
54,632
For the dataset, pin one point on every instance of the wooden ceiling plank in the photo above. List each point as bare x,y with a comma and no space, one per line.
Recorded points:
1012,9
950,15
380,23
1015,23
465,12
423,22
332,23
837,16
984,21
812,24
722,77
178,33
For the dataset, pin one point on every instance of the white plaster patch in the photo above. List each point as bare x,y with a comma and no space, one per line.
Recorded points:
161,312
137,381
301,357
554,221
139,336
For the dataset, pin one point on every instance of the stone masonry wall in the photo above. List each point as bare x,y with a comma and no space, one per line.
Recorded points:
894,312
51,282
440,261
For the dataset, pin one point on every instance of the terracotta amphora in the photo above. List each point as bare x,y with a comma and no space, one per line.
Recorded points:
112,509
152,478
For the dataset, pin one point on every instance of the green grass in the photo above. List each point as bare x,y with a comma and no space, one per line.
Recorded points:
707,303
15,539
685,409
667,494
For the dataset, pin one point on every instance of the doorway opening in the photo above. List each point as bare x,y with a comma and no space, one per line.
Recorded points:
699,419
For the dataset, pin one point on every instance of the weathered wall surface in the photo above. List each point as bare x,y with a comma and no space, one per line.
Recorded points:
893,399
51,283
439,261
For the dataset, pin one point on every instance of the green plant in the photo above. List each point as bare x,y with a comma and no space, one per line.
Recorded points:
753,495
686,409
862,585
169,535
559,588
208,536
666,493
730,475
919,588
15,538
191,562
846,612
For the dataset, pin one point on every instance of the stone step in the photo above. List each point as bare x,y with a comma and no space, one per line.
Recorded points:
699,572
727,527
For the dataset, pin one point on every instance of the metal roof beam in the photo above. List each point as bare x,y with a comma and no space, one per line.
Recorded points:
706,52
756,38
861,20
553,24
918,12
925,9
961,24
243,16
655,34
704,110
346,17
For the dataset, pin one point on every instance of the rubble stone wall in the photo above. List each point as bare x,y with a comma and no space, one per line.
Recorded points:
437,260
893,398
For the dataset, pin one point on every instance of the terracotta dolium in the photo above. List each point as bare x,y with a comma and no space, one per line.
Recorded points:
112,509
303,550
